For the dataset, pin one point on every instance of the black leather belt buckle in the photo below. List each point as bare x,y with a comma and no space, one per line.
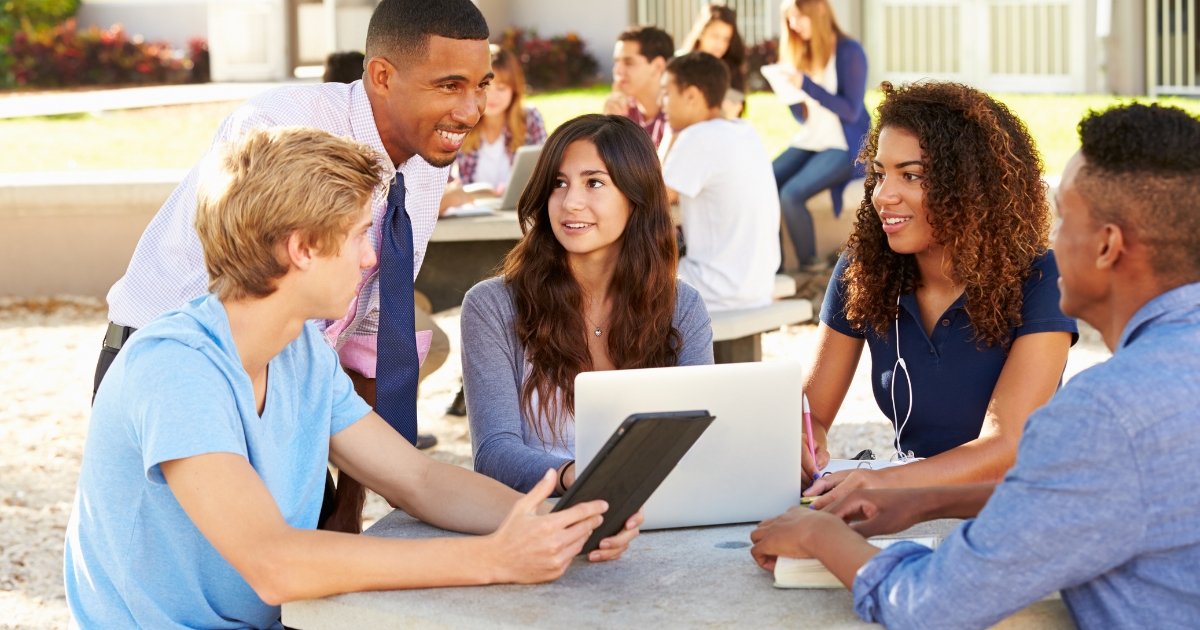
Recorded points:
117,335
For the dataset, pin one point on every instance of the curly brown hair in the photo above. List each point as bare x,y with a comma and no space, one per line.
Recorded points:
986,203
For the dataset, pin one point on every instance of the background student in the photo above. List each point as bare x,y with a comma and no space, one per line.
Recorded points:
831,69
719,173
948,280
1102,502
348,67
715,32
590,287
344,67
487,152
206,453
639,59
405,108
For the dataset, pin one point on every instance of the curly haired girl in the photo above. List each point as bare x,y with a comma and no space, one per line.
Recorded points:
950,254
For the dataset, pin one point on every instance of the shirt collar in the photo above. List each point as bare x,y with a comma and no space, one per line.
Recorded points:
1186,297
362,121
908,301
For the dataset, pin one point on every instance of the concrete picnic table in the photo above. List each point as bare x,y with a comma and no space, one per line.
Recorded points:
679,578
462,251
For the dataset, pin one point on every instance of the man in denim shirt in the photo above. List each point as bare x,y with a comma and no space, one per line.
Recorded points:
1103,502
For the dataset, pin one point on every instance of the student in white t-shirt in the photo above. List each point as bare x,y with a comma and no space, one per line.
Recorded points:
720,174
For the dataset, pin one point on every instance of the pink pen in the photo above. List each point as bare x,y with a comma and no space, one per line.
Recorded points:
812,445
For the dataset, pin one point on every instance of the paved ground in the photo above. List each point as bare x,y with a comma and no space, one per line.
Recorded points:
54,103
47,356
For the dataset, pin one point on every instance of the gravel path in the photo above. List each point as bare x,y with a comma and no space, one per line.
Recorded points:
48,352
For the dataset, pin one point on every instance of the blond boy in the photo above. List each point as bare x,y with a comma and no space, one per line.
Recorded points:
203,471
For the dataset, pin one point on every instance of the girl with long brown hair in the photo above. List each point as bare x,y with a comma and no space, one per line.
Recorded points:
715,32
949,281
591,286
830,70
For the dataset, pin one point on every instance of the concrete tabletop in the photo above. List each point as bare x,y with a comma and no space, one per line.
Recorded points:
668,579
499,226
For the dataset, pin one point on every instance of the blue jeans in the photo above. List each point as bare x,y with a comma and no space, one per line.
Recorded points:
800,174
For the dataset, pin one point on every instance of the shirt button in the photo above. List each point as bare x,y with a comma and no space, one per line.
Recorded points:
945,322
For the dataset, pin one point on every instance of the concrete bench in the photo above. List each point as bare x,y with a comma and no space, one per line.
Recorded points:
737,335
74,232
831,232
679,578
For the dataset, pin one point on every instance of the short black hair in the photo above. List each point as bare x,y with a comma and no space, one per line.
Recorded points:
344,67
653,42
1142,172
704,71
400,29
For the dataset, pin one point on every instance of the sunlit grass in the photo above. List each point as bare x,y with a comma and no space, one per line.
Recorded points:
176,137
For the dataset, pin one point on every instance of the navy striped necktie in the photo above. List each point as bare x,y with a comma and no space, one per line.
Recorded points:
396,363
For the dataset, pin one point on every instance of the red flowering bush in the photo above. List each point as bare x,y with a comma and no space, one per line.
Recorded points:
18,15
62,55
553,63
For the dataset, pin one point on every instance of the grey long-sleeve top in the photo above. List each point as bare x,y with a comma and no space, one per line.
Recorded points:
494,367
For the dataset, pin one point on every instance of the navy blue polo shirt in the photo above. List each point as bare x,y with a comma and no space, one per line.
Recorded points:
952,375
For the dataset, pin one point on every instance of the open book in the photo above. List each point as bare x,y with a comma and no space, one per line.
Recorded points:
838,465
780,77
810,573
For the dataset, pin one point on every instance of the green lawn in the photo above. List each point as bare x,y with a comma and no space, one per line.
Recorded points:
175,137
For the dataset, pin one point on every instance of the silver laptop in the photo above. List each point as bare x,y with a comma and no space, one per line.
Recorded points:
746,466
523,163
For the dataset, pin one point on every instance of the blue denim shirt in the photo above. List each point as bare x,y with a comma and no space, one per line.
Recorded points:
1102,504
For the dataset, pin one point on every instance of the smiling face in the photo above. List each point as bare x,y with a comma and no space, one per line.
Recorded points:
715,39
632,72
587,212
332,281
899,197
427,107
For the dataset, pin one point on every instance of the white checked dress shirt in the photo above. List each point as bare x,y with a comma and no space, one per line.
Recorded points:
167,269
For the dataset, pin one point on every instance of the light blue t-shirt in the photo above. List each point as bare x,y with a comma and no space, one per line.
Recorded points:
177,389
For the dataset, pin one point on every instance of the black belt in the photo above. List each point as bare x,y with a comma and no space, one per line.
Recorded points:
117,336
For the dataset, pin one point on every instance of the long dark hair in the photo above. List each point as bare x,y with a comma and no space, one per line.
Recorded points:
735,57
548,299
986,200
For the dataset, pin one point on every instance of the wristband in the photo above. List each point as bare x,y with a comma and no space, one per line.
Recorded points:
562,487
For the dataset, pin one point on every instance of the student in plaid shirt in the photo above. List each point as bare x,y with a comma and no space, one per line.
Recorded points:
487,152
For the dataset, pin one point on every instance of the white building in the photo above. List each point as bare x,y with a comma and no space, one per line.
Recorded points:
1063,46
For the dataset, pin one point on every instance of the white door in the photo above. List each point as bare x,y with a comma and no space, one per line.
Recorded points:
247,40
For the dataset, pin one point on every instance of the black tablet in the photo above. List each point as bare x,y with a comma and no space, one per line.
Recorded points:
632,464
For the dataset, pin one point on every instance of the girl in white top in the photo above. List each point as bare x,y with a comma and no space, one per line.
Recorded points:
831,71
486,156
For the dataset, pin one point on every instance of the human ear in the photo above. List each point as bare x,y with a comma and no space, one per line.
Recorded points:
659,65
379,73
299,255
1112,243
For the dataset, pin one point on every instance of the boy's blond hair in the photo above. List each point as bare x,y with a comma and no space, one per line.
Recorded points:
273,183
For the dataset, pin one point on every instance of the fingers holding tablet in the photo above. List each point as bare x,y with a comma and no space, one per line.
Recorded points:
612,547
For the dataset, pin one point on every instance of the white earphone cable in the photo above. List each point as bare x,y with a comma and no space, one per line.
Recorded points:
896,368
